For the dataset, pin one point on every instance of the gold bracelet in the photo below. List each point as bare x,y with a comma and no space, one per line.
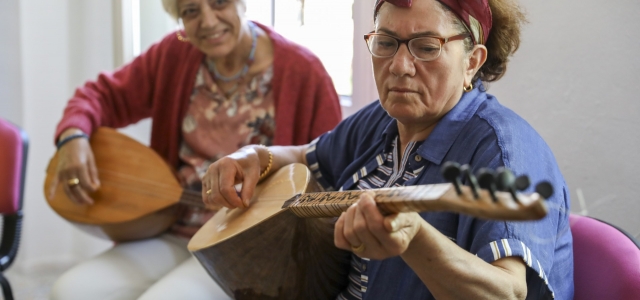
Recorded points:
266,170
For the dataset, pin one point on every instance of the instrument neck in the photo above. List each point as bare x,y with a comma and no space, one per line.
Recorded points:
389,200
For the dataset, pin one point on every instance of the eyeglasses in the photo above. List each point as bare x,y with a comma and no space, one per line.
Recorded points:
424,48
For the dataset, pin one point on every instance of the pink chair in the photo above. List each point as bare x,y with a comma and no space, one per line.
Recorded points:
13,161
606,260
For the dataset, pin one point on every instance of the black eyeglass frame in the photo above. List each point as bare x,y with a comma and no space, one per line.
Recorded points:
442,40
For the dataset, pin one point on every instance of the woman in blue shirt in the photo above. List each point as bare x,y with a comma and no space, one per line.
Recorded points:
430,59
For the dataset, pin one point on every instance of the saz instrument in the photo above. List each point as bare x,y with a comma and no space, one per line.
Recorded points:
281,246
138,196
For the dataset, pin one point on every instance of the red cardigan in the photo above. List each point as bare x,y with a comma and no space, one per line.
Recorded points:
159,82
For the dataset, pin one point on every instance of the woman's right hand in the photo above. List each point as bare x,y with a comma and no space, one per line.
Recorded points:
218,183
76,170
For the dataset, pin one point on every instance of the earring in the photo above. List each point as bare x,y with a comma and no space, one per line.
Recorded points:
180,37
467,89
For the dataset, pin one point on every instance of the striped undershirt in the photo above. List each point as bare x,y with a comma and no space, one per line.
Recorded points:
391,173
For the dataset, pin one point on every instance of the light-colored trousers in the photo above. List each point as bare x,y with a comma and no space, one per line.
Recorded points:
152,269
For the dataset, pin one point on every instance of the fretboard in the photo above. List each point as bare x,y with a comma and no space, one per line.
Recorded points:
389,200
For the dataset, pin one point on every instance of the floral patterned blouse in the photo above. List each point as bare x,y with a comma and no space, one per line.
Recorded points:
217,124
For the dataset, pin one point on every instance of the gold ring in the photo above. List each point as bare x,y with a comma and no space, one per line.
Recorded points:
208,192
73,182
358,249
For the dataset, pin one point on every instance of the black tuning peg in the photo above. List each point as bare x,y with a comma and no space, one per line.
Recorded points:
506,181
522,182
486,180
466,172
545,189
451,172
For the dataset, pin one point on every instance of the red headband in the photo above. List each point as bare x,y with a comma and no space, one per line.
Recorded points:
475,14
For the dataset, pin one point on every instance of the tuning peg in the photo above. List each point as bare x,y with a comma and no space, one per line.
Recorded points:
486,180
545,189
451,172
466,172
522,182
505,181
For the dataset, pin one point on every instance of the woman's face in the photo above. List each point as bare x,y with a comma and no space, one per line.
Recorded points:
213,26
419,93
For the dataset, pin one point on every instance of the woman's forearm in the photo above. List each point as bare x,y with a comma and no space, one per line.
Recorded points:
450,272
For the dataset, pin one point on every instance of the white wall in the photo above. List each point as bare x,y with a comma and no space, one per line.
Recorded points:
10,71
364,86
573,80
154,23
63,44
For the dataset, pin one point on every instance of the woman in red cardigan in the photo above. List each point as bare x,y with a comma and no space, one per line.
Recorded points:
222,83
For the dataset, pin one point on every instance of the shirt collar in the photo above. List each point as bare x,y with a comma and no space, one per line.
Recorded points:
389,134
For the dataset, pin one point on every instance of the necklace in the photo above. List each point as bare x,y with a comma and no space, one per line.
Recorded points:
245,69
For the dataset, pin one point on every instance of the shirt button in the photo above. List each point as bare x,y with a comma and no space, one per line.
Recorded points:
418,158
364,267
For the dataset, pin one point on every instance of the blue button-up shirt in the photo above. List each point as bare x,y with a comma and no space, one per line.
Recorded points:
482,133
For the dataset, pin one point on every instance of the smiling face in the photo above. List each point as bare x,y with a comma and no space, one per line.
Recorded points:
213,26
419,93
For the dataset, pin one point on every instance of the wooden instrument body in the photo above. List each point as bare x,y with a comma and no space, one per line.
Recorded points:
284,257
138,195
278,255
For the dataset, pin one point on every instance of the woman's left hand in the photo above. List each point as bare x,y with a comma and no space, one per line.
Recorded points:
365,231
